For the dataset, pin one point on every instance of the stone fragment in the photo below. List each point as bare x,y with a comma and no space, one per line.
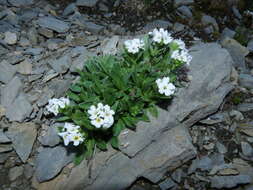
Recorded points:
10,38
15,172
22,137
5,148
247,150
20,3
70,9
245,107
51,138
246,81
4,138
7,71
167,184
86,3
53,24
25,67
62,64
50,162
221,182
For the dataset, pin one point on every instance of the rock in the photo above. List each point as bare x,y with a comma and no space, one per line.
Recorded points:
46,95
164,144
60,87
28,171
236,50
178,27
20,109
221,148
228,171
7,71
86,3
183,2
53,24
10,38
109,45
208,20
157,24
50,162
250,45
247,150
22,137
186,11
32,35
51,138
20,3
2,111
167,184
213,119
246,81
227,33
248,131
78,62
177,175
237,115
33,51
70,9
62,64
236,12
221,182
10,92
25,67
5,148
92,27
3,156
46,32
245,107
15,172
4,138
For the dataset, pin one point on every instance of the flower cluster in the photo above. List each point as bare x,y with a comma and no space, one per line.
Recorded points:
182,55
71,133
54,104
165,87
101,116
161,36
133,46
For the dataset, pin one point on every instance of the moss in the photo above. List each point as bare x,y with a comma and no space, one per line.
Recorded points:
237,98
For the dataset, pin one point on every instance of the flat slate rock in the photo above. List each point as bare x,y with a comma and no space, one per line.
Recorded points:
53,24
7,71
50,162
163,144
86,3
22,137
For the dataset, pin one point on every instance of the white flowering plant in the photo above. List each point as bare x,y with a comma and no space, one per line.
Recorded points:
116,92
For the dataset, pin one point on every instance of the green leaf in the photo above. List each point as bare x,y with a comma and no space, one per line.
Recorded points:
73,96
76,88
145,117
101,145
79,158
153,110
118,127
130,122
63,118
114,142
90,144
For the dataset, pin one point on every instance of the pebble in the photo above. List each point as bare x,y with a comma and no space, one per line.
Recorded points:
7,71
247,149
10,38
15,172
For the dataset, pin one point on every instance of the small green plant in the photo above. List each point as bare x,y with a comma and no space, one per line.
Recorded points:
116,92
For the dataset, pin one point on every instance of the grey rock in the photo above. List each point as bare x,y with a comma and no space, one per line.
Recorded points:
221,182
109,45
186,11
20,3
10,38
46,32
53,24
28,171
209,30
247,150
33,51
10,92
227,33
92,27
167,184
20,109
237,115
61,65
250,45
7,71
60,87
208,20
25,67
46,95
15,172
4,138
51,138
221,148
177,175
246,81
236,12
50,162
205,163
86,3
32,35
157,24
215,118
70,9
79,61
178,27
5,148
183,2
236,50
22,137
245,107
3,156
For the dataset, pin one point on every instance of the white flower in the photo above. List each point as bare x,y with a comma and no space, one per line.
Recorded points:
161,36
182,55
180,43
134,46
71,128
66,137
54,105
101,116
165,87
76,138
97,122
